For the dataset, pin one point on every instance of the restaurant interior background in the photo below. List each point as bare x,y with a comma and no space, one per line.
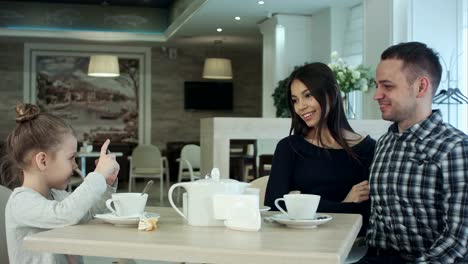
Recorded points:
264,40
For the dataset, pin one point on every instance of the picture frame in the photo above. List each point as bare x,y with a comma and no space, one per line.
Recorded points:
55,77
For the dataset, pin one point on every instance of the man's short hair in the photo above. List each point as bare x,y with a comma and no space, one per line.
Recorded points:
418,59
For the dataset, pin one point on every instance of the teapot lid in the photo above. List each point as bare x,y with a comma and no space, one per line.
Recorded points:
215,174
214,177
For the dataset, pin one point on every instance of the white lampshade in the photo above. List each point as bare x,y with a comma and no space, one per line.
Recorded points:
103,66
217,68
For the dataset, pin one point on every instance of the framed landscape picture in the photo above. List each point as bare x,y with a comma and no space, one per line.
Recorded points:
98,108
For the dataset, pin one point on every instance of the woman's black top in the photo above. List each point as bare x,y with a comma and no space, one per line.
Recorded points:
331,173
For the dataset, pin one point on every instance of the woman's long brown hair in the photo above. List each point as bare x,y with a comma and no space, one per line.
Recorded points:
321,82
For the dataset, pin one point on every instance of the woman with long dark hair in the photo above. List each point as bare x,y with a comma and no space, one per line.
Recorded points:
322,155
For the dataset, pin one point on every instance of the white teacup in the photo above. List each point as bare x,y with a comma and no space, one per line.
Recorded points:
300,206
127,204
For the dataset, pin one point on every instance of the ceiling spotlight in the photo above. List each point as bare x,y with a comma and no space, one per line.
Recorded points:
219,29
261,2
237,18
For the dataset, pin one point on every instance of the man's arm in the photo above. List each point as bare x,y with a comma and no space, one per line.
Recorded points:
452,244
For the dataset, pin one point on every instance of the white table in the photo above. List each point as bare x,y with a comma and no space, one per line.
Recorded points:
176,241
75,181
84,155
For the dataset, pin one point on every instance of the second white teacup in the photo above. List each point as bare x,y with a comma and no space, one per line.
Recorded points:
300,206
127,204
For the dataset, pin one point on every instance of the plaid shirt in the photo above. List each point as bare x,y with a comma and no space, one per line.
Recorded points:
419,192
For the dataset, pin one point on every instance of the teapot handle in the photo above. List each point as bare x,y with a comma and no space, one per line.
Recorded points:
169,195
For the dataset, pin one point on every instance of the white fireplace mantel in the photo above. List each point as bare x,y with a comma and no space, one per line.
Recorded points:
215,134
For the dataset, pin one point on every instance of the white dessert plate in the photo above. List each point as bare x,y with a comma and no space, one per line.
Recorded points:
308,223
125,220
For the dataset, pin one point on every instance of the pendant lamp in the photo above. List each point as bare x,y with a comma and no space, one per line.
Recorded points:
103,66
217,67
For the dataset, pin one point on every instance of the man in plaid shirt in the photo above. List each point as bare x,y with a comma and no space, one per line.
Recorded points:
419,177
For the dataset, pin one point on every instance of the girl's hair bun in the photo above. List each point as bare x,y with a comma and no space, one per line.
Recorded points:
26,112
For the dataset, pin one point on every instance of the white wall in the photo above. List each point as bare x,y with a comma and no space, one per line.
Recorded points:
338,25
377,37
434,22
321,33
292,40
444,35
289,41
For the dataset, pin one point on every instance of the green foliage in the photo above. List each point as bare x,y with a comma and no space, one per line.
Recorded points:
280,99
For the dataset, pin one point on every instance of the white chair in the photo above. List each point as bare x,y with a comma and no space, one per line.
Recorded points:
189,164
147,162
4,195
260,183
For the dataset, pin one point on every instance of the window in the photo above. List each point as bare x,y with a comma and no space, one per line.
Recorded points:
352,50
463,82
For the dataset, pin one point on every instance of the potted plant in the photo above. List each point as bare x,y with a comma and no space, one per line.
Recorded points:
349,79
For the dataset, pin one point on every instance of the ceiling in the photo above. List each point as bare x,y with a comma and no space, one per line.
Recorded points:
198,27
201,28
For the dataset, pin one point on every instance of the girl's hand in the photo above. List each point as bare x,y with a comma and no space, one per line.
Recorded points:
106,165
359,193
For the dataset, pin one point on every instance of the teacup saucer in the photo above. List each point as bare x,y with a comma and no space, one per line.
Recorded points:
264,208
312,223
124,220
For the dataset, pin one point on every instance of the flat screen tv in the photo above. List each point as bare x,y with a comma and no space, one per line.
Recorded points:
208,96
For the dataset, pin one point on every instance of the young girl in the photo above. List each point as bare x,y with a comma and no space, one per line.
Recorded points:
324,156
40,153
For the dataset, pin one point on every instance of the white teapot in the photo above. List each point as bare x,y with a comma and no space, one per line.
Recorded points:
200,195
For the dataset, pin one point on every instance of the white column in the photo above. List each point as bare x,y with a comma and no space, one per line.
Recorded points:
273,62
385,24
289,41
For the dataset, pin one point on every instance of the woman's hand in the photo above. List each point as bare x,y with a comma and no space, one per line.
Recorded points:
359,193
106,165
